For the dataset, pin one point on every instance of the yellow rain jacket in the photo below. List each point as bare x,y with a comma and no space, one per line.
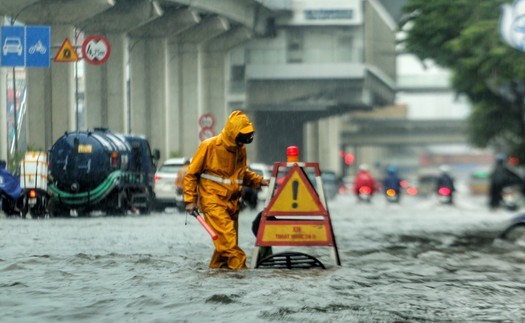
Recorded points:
214,179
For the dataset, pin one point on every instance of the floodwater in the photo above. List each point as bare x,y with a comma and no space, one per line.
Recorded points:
413,262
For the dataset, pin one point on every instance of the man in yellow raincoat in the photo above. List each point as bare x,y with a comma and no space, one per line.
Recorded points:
214,182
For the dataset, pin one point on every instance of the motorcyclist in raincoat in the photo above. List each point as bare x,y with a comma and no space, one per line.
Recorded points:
500,178
364,178
10,190
444,180
392,181
214,183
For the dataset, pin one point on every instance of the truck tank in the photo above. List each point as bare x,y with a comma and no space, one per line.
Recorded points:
82,160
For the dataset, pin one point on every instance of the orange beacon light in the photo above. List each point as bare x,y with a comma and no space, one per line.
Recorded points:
292,154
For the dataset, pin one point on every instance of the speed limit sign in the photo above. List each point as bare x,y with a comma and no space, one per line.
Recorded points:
96,49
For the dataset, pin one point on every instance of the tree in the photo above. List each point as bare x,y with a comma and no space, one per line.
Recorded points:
463,36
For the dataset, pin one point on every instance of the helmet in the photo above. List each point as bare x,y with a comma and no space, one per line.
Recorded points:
444,168
363,167
391,169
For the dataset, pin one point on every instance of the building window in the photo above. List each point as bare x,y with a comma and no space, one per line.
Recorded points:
295,47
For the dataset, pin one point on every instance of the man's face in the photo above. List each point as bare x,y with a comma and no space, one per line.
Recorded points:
244,139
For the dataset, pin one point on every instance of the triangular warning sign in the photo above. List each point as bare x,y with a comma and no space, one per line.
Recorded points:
296,196
66,53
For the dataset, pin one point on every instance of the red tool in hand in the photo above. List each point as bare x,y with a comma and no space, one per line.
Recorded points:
208,229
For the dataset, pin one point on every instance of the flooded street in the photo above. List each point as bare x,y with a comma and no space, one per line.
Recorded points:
416,262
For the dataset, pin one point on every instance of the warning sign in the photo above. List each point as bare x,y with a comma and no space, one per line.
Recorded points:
66,53
296,214
296,196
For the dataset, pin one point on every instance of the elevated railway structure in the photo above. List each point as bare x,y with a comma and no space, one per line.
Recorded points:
173,61
387,132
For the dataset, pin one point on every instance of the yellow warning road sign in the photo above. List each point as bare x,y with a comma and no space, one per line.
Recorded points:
296,196
66,53
296,215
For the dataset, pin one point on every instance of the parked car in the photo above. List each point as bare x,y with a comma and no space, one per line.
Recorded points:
331,183
165,188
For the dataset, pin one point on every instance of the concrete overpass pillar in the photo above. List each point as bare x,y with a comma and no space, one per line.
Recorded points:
105,86
329,144
149,86
311,135
174,126
50,100
216,73
213,72
198,72
190,96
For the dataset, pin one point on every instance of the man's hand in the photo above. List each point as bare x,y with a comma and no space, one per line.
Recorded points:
265,182
190,207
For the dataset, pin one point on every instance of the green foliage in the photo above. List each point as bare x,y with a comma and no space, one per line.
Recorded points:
463,36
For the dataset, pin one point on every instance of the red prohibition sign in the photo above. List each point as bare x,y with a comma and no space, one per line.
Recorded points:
206,133
207,120
96,49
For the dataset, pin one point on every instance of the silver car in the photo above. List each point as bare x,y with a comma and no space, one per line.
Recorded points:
165,188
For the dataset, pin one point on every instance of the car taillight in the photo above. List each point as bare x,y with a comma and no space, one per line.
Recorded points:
412,191
365,190
444,191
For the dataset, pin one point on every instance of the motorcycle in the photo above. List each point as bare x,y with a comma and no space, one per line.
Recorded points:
392,195
34,202
364,194
444,195
510,198
33,181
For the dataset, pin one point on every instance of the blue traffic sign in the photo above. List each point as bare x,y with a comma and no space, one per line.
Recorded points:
25,46
13,44
37,45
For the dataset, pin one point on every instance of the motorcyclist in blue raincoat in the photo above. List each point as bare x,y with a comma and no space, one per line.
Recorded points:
392,181
10,189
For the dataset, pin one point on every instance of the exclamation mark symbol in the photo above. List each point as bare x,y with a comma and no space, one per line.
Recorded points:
295,189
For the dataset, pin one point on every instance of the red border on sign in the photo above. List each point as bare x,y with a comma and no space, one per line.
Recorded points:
202,136
206,115
311,192
60,56
98,38
303,218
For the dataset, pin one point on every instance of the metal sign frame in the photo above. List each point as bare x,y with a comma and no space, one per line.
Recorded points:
281,226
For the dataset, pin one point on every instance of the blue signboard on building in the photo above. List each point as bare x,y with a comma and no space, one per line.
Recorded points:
25,46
